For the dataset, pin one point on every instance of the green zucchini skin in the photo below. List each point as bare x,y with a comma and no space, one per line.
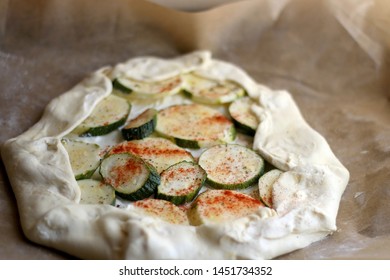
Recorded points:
84,157
138,133
244,128
190,144
128,164
147,190
212,92
157,151
247,184
194,126
146,128
85,175
231,166
108,115
103,130
118,86
242,116
149,90
190,174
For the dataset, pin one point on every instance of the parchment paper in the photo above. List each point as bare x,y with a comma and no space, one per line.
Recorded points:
333,56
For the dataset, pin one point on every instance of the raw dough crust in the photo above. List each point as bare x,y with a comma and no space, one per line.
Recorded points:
306,201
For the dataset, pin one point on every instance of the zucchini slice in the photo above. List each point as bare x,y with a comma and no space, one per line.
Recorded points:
130,176
231,166
181,182
96,192
158,152
266,183
218,206
242,115
84,157
141,89
108,115
163,210
209,91
116,84
142,126
195,126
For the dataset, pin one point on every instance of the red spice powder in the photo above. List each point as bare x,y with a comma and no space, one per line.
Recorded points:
217,118
120,174
139,149
227,201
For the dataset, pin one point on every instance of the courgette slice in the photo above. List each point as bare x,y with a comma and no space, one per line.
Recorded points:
142,126
194,126
242,115
116,84
96,192
163,210
231,166
209,91
159,152
266,183
218,206
108,115
130,176
181,182
84,157
142,89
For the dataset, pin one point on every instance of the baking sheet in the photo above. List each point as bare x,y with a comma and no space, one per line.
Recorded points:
333,56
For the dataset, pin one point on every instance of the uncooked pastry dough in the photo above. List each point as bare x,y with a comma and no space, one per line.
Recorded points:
306,196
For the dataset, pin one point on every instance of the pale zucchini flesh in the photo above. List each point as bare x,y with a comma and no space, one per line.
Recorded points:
108,115
209,91
231,166
219,206
163,210
84,157
266,183
130,176
181,182
242,115
96,192
142,126
195,126
158,152
144,89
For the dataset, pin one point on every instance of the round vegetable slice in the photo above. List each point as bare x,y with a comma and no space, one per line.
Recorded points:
181,182
109,114
266,183
218,206
84,157
242,115
142,89
159,152
130,176
163,210
195,126
209,91
142,126
96,192
231,166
